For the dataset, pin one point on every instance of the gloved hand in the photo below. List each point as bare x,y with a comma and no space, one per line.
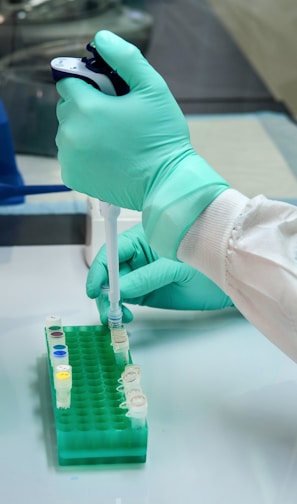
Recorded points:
148,280
134,151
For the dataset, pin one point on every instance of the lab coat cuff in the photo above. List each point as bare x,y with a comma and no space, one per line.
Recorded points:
205,244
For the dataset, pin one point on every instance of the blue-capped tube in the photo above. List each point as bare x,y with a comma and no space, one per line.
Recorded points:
59,356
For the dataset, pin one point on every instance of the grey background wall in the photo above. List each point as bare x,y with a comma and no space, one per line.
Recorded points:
203,66
189,46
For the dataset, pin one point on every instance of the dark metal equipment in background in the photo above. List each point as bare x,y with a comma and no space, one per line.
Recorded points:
35,31
183,39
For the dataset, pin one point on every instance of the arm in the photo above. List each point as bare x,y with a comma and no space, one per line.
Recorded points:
251,253
134,151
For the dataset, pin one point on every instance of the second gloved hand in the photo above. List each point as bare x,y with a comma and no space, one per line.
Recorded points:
148,280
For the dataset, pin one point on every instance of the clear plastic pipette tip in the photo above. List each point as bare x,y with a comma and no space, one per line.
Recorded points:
115,318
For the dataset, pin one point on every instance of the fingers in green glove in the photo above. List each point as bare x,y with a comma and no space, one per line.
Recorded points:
126,59
149,280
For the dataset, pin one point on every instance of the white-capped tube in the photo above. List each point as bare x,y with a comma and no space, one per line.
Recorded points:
53,320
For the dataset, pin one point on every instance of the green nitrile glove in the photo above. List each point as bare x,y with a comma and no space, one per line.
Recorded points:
134,151
148,280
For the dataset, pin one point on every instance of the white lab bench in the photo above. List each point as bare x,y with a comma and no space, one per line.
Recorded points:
222,399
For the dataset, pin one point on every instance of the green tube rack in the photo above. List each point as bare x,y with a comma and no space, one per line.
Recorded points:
95,430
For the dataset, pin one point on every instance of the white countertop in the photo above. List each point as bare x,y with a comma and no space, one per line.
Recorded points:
222,399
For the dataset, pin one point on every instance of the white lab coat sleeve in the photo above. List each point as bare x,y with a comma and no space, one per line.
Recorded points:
249,248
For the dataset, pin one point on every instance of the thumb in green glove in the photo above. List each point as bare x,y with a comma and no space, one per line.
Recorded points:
149,280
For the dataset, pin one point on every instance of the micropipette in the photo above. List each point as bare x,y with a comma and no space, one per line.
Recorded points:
96,71
110,214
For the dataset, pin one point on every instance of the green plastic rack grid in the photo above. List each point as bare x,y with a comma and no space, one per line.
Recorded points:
95,430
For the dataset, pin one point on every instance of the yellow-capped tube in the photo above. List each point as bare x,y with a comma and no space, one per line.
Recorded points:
63,385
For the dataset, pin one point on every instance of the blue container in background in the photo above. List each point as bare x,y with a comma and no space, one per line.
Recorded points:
9,173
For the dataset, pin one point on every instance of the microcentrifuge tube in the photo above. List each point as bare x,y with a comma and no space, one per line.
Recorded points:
56,337
60,356
53,320
53,323
53,356
129,379
63,385
133,368
128,396
120,344
63,367
137,410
